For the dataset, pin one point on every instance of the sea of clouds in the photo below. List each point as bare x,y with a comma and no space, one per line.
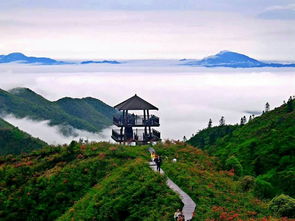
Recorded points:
186,96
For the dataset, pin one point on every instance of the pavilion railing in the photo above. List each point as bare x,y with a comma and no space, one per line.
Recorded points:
117,136
156,134
136,120
136,135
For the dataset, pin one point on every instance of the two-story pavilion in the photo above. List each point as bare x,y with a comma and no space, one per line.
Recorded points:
133,127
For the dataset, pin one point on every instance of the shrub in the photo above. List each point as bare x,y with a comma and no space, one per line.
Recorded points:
233,163
263,189
283,205
247,183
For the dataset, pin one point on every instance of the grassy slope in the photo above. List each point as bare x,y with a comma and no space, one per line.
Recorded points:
132,192
91,178
265,147
215,191
13,140
102,181
23,102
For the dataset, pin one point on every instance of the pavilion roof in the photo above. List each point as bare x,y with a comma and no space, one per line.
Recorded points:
135,103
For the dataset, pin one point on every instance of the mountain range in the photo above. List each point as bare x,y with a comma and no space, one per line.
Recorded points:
222,59
88,113
232,60
23,59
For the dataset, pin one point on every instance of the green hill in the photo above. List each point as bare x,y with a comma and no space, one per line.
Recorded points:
13,140
89,109
86,114
5,125
264,148
103,181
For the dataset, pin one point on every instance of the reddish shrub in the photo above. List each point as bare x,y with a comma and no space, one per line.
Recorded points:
113,149
101,156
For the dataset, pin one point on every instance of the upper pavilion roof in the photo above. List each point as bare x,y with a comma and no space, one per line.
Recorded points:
135,103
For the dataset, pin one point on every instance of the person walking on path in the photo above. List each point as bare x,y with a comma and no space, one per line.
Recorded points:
180,217
176,214
153,156
158,162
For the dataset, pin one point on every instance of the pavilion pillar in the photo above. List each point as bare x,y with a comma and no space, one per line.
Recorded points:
148,118
121,129
144,119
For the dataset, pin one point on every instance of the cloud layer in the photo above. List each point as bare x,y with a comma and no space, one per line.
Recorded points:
186,96
52,134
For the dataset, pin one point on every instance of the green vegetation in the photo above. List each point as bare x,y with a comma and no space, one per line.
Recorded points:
5,125
95,181
216,192
13,140
86,113
283,205
132,192
209,136
102,181
250,169
263,148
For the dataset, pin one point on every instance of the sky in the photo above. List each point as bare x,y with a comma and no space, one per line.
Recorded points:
149,29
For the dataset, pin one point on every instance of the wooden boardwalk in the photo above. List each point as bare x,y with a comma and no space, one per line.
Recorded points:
189,205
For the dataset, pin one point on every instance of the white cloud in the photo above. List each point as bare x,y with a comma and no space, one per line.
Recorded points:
281,7
52,134
279,12
186,96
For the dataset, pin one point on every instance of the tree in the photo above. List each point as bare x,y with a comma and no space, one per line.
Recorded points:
222,121
283,205
243,120
233,163
263,188
247,183
290,107
267,107
210,123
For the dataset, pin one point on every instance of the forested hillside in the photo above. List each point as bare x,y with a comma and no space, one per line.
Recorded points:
102,181
263,148
86,114
13,140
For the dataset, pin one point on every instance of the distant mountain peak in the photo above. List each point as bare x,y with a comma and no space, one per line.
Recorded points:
226,51
232,59
17,89
21,58
21,90
16,54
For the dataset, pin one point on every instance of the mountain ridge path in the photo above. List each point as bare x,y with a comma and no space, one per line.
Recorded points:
189,205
